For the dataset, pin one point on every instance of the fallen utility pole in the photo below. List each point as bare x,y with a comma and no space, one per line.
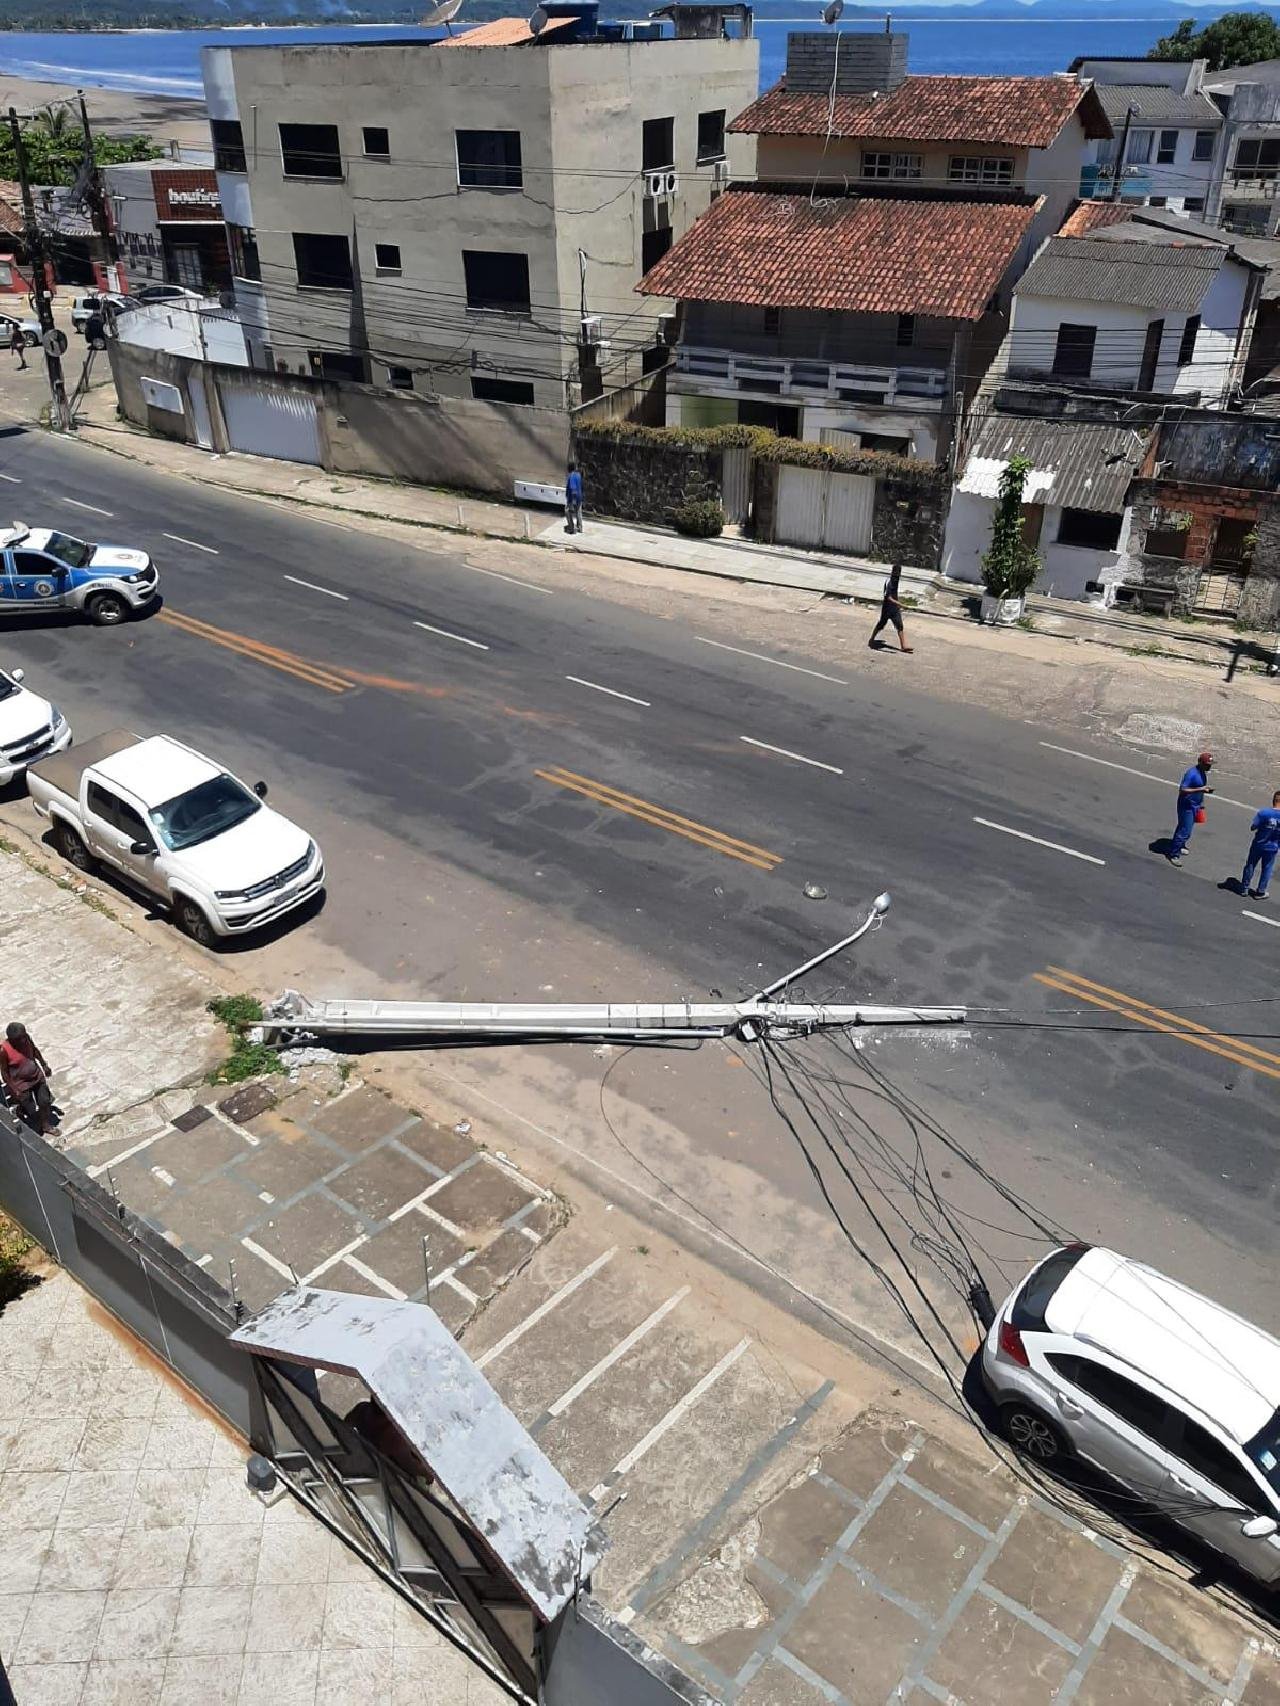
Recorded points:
760,1016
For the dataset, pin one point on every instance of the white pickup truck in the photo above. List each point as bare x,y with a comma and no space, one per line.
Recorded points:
179,827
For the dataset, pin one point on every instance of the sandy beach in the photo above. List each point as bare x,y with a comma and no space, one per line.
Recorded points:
168,118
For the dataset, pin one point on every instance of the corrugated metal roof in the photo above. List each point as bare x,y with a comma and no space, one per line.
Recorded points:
530,1518
1142,274
1077,464
1153,104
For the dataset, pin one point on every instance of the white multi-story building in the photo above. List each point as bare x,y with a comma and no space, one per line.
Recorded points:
469,217
1166,133
1246,195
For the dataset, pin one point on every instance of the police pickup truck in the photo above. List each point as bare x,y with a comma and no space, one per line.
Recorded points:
41,569
165,819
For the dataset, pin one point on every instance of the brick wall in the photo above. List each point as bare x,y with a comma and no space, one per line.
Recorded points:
1155,501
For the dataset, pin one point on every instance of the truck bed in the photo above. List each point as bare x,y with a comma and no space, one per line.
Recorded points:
64,770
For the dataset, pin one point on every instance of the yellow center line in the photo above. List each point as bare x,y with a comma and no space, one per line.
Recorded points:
1173,1018
315,675
660,818
1128,1010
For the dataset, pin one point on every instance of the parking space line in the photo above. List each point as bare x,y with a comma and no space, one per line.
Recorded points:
499,1160
312,587
337,1256
439,1219
664,1425
194,544
620,1350
373,1278
1075,1676
544,1308
445,634
100,1167
785,752
76,504
1053,846
463,1291
281,1268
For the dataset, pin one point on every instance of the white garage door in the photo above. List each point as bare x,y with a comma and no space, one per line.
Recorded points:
826,512
269,420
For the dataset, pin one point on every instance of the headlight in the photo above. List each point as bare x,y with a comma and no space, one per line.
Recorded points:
57,722
231,894
131,580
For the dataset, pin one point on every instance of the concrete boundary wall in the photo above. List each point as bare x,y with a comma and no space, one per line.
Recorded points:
450,441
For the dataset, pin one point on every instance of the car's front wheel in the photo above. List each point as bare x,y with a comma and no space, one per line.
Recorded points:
107,609
1031,1432
193,921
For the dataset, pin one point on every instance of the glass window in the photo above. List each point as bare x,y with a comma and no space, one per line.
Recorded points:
1138,153
400,378
245,260
33,563
1257,157
1209,1457
203,812
132,824
323,261
711,136
496,280
489,159
310,150
980,169
1187,347
1073,353
1143,1410
653,246
1028,1313
377,141
1193,204
337,365
1167,149
1202,149
658,144
1089,529
501,390
1264,1450
75,553
879,165
386,257
102,804
228,145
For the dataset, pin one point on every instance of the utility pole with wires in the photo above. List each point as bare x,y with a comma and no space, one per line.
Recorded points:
52,340
759,1018
96,199
1118,175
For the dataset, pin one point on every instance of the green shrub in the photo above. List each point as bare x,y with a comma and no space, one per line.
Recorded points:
700,518
246,1060
768,447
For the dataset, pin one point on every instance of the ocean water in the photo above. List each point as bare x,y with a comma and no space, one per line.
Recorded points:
167,62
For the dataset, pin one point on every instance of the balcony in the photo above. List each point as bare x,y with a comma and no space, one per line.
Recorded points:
809,379
1253,183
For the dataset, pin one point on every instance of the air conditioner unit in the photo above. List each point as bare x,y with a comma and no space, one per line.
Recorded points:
672,184
720,174
592,329
655,184
666,329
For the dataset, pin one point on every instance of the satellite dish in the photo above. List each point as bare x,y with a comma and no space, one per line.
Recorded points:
537,20
831,11
444,14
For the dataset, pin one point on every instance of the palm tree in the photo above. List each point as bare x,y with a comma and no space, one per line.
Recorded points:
54,121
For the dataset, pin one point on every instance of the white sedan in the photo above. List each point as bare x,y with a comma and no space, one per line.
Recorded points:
27,324
31,728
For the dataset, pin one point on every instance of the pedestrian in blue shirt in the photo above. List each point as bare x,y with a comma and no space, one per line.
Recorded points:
1263,849
1193,790
573,500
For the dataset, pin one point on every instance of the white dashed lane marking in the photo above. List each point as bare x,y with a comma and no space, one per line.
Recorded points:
1053,846
312,587
613,693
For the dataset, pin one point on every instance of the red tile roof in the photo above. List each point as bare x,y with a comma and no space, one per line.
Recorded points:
504,32
12,221
862,254
1025,112
1092,216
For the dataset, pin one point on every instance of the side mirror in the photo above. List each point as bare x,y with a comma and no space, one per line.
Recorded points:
141,847
17,675
260,789
1259,1528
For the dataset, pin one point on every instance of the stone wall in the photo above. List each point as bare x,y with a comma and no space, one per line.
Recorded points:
1155,502
644,481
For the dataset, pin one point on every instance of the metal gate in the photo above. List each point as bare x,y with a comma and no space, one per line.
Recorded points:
1220,590
824,510
270,420
200,410
735,485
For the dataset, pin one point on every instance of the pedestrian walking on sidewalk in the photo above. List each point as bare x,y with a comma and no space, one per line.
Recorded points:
18,344
26,1077
1262,849
1193,791
573,500
890,612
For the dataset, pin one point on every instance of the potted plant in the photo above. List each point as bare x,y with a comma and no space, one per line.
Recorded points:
1010,566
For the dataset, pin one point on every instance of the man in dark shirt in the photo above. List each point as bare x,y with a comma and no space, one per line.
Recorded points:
26,1077
890,612
1263,848
1193,790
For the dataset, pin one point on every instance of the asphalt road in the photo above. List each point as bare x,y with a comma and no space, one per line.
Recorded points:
524,790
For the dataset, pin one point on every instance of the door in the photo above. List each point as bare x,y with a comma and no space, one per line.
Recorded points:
200,410
1113,1421
850,500
824,511
1216,1494
735,485
265,419
38,582
1150,356
115,827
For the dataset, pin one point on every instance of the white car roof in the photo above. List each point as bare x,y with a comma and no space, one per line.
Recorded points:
1214,1361
157,769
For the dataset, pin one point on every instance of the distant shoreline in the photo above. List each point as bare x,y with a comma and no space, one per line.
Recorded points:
117,112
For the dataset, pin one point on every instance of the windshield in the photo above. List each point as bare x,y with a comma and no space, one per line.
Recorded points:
209,810
8,688
1264,1450
75,553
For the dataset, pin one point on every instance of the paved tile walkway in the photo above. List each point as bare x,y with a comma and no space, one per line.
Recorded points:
136,1566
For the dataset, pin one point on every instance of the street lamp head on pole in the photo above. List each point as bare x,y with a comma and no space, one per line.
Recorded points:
882,903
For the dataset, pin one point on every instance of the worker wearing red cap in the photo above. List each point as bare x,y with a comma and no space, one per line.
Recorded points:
1193,790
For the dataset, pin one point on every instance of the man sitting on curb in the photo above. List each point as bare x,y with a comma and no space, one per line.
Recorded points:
26,1078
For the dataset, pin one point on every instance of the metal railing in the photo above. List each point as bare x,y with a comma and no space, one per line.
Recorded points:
912,387
1261,181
